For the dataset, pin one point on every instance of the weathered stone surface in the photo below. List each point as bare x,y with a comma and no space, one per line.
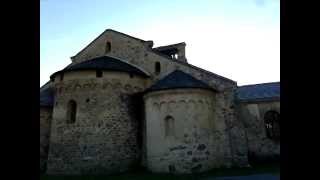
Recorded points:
252,115
140,54
115,129
45,122
103,138
197,129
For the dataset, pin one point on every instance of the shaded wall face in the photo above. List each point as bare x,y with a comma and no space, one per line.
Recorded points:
45,121
260,147
103,138
184,133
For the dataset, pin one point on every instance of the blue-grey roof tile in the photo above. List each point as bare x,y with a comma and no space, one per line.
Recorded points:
178,79
103,63
259,92
46,96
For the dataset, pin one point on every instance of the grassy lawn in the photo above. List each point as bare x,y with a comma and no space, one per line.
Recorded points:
143,175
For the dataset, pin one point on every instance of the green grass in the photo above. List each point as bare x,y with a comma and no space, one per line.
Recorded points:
143,175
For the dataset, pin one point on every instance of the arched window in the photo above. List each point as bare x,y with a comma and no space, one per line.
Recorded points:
169,126
272,124
61,76
99,73
157,67
71,112
108,47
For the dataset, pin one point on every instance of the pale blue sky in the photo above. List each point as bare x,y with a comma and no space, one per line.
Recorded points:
238,39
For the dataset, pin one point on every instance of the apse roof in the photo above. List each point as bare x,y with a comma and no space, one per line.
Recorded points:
46,96
104,63
178,79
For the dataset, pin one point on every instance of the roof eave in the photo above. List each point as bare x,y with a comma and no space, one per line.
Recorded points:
181,88
258,100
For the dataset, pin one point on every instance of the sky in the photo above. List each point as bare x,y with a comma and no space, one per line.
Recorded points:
237,39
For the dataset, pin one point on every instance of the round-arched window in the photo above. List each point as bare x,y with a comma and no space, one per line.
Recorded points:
108,47
71,112
169,126
272,124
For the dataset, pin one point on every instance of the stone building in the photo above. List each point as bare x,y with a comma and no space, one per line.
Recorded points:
258,108
122,103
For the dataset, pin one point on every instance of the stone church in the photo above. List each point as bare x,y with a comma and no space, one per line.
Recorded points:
122,103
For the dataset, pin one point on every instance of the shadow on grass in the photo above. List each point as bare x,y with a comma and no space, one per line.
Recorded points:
144,175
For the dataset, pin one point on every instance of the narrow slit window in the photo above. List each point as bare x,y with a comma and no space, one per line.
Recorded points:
157,67
108,47
61,76
99,73
71,112
169,126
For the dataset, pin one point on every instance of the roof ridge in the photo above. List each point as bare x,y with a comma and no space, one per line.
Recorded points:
260,84
169,45
126,35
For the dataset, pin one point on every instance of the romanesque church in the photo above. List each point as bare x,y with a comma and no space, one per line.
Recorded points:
122,103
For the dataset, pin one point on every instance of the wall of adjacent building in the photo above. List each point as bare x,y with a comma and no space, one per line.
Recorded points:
260,147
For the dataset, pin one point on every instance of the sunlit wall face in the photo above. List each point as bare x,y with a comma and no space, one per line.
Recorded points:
236,39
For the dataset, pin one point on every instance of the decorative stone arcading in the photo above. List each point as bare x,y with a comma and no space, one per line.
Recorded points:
188,103
199,142
74,86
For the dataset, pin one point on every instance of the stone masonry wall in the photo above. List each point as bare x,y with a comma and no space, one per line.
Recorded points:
252,116
45,122
103,138
235,129
140,54
200,140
